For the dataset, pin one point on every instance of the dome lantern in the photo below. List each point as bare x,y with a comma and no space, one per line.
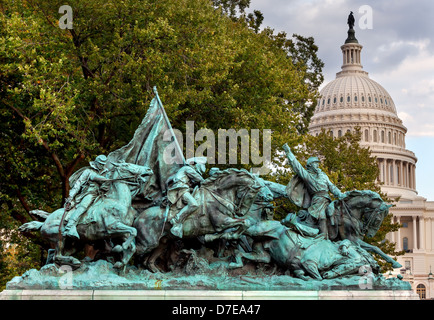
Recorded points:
351,52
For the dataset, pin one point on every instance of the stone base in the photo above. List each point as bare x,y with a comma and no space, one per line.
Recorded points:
206,295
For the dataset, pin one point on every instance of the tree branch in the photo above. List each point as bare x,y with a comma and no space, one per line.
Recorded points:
41,141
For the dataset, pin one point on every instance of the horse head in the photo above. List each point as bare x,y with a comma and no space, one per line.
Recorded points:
133,176
239,186
368,208
373,218
253,191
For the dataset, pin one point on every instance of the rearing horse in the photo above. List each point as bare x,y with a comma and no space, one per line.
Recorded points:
110,217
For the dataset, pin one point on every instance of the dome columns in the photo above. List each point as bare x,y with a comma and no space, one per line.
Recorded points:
397,173
351,54
351,59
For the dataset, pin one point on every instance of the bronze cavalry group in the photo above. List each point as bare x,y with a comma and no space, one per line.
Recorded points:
128,209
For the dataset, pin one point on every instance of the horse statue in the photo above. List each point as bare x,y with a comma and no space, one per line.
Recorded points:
359,214
109,218
224,200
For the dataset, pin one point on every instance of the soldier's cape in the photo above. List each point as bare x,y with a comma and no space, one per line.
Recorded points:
297,192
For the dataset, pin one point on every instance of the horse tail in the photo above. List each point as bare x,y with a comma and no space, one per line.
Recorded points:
40,213
31,226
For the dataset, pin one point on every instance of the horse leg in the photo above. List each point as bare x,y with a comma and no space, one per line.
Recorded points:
150,263
128,247
258,255
312,269
374,249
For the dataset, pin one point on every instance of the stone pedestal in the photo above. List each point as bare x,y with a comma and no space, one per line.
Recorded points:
206,295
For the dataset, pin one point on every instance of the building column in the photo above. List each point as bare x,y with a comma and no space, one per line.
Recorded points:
432,233
421,232
410,177
387,175
414,176
414,233
380,166
401,168
431,220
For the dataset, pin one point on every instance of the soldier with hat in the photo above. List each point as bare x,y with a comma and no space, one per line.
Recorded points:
179,193
310,189
85,189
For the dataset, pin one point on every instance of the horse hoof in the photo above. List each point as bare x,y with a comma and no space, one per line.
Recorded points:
396,264
118,265
117,249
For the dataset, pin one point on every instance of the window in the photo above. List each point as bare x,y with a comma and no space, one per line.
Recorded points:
382,136
363,98
375,135
334,100
421,291
355,98
342,99
389,137
369,99
328,101
348,99
339,133
405,247
366,135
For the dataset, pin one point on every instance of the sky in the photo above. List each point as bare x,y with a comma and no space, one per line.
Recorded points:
398,52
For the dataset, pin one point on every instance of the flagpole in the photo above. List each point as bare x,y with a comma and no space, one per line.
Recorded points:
169,125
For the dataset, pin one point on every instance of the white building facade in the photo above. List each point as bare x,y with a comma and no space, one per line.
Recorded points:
354,100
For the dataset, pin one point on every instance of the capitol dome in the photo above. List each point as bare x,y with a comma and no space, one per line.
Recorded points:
355,91
354,100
